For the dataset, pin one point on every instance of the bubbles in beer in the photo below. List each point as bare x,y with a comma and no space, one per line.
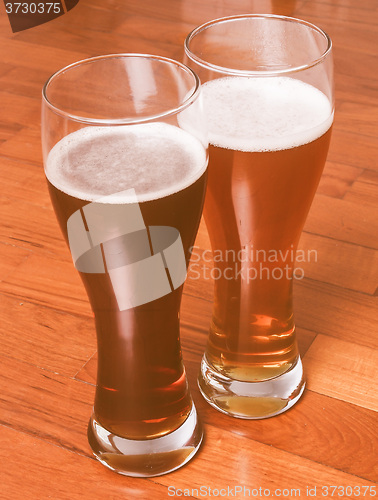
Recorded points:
155,159
264,114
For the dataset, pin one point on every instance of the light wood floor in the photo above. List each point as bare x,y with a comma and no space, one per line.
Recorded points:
47,338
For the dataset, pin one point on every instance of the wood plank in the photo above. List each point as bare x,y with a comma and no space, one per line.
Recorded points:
257,465
331,10
25,181
337,179
355,64
20,109
351,87
45,405
22,81
50,339
5,69
54,472
353,149
195,12
48,282
202,239
369,5
355,34
369,176
343,264
39,57
31,226
364,193
7,131
343,371
343,220
358,118
339,313
110,37
11,256
25,144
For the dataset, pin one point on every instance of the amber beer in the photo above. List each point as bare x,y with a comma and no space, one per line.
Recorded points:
166,166
269,140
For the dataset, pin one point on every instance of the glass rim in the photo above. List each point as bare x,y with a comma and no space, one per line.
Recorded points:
242,72
188,100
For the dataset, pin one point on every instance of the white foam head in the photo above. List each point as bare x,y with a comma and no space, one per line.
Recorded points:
154,159
264,114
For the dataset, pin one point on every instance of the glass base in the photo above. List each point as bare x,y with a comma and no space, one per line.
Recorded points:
251,400
148,457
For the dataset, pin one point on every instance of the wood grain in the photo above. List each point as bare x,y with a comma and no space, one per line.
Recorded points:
59,342
11,257
255,463
343,370
47,338
339,219
363,192
54,472
357,266
47,281
337,179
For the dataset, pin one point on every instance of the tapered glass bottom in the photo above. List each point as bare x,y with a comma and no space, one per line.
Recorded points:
251,400
148,457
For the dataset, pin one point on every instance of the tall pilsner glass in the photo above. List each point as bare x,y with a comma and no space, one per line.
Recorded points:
125,158
268,98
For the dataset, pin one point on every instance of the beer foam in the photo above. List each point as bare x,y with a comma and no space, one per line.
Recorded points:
264,114
154,159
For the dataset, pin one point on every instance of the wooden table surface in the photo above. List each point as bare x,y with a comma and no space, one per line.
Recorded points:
47,338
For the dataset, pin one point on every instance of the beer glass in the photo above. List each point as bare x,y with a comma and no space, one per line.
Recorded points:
268,97
125,158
